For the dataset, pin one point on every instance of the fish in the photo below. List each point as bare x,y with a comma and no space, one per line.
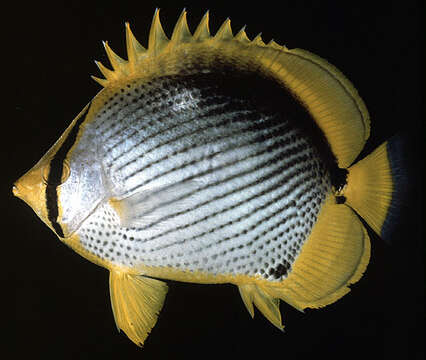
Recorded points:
218,159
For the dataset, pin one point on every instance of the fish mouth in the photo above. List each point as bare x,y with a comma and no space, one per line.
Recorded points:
31,191
23,194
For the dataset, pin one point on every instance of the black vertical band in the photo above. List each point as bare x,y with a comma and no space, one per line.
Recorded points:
55,174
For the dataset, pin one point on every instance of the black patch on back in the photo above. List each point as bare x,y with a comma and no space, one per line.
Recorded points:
260,92
55,175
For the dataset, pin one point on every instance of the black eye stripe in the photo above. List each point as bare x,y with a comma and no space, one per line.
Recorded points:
55,174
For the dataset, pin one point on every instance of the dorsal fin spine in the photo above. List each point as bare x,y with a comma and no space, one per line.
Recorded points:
158,44
181,31
202,32
102,82
258,40
117,63
157,38
134,48
224,32
109,74
242,36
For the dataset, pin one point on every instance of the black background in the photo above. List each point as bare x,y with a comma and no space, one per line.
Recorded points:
60,302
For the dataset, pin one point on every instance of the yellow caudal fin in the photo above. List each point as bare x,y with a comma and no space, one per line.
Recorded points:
136,302
268,305
380,186
369,187
334,256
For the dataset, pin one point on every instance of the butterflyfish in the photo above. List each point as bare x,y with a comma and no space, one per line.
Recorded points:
216,159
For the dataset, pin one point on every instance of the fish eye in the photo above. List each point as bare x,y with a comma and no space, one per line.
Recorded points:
53,178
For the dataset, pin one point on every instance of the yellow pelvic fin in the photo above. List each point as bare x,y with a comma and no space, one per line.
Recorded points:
136,302
369,187
335,255
268,305
330,98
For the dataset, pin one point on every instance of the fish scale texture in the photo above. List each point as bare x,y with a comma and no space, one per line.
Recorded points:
218,182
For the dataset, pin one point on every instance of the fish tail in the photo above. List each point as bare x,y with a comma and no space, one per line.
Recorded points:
378,185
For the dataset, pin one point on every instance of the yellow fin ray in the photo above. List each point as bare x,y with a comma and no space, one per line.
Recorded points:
109,74
225,31
370,186
181,31
136,302
268,305
202,32
242,36
157,38
258,40
134,48
276,46
102,82
117,63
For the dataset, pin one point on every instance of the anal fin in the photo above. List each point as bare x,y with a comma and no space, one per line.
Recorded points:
268,305
136,302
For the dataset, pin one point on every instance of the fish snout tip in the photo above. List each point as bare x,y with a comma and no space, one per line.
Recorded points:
15,190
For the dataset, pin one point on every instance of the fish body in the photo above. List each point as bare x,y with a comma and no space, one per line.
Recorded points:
216,160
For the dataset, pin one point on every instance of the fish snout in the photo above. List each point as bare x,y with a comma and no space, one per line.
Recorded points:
29,187
15,190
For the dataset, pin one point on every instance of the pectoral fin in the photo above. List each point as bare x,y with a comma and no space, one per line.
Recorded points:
150,206
136,302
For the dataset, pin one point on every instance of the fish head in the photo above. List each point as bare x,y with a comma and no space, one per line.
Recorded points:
66,185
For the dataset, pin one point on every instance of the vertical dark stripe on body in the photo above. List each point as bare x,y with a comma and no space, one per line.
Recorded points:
55,174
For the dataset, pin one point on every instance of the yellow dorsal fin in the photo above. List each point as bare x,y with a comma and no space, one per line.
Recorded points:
102,82
202,32
276,46
225,31
117,63
181,31
157,38
109,74
242,36
258,40
331,99
134,48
